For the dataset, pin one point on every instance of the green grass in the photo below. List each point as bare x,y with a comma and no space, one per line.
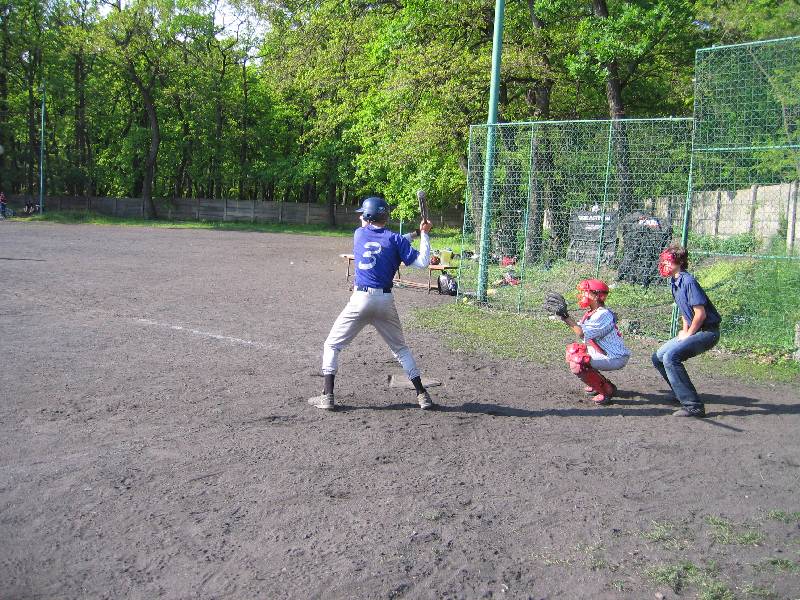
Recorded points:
681,576
470,329
758,303
756,298
467,328
751,368
754,591
779,565
726,532
664,534
783,516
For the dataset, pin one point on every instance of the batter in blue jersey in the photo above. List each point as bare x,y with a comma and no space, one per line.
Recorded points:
378,253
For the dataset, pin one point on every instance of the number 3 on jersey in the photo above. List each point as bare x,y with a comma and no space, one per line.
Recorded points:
370,250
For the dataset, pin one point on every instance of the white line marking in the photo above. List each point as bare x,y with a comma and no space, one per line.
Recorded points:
223,338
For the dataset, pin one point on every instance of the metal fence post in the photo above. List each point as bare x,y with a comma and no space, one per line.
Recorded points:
467,209
526,217
488,171
791,217
609,149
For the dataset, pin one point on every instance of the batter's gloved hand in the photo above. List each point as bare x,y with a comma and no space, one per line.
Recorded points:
555,304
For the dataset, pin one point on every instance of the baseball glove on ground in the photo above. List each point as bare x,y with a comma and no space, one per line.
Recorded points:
555,304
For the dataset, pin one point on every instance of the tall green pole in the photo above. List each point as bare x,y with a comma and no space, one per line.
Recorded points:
488,168
41,156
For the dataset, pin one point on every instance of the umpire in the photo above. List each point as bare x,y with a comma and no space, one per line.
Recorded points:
699,334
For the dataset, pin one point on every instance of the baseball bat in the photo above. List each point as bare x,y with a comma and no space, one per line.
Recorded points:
423,204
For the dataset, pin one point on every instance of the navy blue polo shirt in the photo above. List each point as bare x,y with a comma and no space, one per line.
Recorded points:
688,293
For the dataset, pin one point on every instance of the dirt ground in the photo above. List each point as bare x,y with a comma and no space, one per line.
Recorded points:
155,442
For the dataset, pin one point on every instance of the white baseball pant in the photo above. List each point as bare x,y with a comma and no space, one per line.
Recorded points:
374,308
601,362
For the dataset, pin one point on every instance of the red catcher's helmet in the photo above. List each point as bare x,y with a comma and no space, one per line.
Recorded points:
591,285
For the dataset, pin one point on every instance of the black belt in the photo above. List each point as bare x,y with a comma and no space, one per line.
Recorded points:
714,327
363,288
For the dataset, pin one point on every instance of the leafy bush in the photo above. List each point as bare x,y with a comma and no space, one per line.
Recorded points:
742,243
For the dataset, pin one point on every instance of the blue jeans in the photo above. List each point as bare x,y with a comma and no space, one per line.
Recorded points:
669,359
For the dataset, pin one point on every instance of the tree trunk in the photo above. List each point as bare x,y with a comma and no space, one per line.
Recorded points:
538,97
331,191
32,145
81,144
155,141
180,183
616,109
5,140
216,161
243,158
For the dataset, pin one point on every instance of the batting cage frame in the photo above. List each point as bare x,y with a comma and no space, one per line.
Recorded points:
601,198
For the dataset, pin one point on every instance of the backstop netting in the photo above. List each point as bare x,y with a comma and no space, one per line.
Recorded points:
742,227
577,199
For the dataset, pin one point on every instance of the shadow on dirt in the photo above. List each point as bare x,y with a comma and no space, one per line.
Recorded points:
749,406
625,404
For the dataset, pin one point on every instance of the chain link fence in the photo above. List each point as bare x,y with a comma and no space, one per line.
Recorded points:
743,233
575,199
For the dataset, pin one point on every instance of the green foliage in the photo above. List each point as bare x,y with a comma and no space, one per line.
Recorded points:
323,101
742,243
756,299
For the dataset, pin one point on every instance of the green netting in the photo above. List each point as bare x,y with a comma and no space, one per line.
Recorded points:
741,229
578,199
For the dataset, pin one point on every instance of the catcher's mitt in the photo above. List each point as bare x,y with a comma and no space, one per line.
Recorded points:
555,304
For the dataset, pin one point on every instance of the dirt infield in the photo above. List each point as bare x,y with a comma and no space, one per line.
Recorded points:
155,442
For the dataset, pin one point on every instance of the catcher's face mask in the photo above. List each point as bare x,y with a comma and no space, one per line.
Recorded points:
587,288
584,298
666,263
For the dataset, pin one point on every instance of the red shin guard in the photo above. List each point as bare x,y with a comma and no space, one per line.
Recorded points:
580,364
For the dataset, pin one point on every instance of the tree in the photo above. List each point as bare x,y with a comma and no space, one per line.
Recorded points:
138,41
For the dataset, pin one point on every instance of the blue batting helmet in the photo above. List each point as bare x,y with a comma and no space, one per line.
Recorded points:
374,208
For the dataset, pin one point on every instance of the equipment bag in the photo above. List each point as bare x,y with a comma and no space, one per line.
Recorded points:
447,285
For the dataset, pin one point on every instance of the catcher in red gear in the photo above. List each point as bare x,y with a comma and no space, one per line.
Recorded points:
600,346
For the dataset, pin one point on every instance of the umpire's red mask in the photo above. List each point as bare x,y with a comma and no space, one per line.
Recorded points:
666,263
